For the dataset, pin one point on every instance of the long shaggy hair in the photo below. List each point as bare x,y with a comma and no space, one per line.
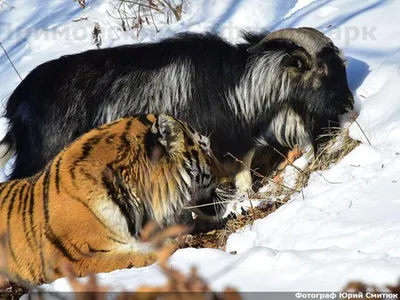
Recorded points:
278,94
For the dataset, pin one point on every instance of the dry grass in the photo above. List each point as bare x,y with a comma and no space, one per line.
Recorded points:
360,288
134,14
330,153
338,145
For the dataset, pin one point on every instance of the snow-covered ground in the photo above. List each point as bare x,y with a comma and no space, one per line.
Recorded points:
345,226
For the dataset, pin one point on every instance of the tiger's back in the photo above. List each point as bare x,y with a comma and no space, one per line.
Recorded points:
89,204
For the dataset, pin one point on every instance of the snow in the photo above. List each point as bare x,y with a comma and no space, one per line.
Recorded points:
344,225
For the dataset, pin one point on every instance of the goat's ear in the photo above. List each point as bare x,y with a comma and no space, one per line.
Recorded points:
298,59
292,61
169,134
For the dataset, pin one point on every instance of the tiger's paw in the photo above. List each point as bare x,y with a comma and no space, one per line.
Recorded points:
243,182
143,260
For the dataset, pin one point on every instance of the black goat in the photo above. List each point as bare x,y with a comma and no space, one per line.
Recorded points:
276,90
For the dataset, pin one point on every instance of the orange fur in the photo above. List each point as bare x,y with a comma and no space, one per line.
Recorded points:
293,154
87,206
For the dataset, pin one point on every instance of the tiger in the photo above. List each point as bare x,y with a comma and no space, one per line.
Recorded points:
89,204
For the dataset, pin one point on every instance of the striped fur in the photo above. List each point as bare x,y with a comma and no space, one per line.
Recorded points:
89,204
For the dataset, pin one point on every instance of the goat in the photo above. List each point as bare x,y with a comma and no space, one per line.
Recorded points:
275,90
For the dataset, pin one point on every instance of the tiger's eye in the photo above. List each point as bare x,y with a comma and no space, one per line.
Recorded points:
320,71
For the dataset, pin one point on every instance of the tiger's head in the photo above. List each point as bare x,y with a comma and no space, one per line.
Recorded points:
186,158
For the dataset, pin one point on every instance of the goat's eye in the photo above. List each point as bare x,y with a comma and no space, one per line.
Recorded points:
320,71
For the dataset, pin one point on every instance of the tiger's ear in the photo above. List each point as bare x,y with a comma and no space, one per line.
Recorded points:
169,134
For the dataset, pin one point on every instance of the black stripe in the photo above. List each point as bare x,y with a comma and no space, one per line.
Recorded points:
31,213
195,155
12,184
187,156
57,175
46,187
188,168
11,206
50,235
92,250
10,209
190,128
143,119
21,196
88,146
202,144
3,186
189,141
13,255
42,260
125,144
46,195
122,197
56,242
27,197
86,150
77,249
124,147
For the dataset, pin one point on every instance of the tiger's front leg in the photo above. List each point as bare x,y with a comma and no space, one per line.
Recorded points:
92,245
243,178
292,155
306,154
121,258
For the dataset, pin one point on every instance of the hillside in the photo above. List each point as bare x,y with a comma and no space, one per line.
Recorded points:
344,225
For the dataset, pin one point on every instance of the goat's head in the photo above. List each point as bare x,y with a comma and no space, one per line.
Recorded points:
306,73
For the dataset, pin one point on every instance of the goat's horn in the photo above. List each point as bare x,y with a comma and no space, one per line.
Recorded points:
308,38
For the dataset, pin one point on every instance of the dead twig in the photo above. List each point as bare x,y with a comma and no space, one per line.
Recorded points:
97,35
363,132
81,3
134,14
80,19
9,59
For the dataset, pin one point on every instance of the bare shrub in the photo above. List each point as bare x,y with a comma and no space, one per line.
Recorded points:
81,3
134,14
4,6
